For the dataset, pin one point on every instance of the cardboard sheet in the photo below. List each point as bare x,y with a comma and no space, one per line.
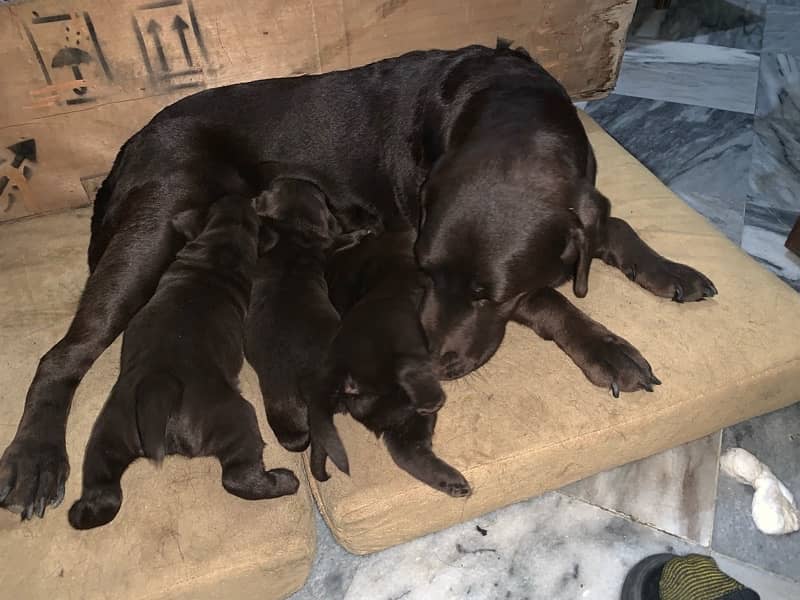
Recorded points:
80,76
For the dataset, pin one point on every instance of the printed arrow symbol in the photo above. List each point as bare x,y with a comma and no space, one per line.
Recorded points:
181,26
24,150
154,29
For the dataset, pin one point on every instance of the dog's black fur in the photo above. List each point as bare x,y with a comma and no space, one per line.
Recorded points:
291,322
481,148
378,368
181,356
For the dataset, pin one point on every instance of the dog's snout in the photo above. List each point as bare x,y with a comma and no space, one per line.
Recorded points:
449,358
451,366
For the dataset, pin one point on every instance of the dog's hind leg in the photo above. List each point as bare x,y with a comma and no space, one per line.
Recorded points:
621,247
606,359
411,449
235,439
113,445
35,467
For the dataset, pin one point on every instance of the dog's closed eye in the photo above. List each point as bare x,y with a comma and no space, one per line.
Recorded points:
479,294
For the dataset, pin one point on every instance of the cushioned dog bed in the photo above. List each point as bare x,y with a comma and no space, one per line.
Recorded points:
529,421
178,534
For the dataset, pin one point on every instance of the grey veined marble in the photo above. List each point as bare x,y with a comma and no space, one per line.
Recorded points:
674,491
713,76
702,154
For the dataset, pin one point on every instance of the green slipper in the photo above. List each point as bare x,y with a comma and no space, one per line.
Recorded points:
673,577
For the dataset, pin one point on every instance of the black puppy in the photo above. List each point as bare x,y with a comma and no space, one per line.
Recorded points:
378,368
291,321
181,356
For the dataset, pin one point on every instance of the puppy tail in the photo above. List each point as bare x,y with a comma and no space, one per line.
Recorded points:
156,395
325,442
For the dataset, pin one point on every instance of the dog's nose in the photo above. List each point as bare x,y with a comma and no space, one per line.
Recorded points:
449,357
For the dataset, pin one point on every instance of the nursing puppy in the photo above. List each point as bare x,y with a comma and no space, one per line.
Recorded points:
181,356
291,322
379,369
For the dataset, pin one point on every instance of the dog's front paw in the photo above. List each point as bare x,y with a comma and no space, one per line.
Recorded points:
95,508
611,362
673,280
33,476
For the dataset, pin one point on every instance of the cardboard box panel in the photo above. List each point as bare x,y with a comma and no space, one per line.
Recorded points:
80,76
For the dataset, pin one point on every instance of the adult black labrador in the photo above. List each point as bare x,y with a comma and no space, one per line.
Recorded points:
480,148
378,368
177,392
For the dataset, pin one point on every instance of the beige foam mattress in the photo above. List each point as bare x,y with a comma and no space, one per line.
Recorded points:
530,422
178,534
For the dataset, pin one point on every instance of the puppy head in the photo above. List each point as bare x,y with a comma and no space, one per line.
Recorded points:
226,233
298,209
489,237
388,397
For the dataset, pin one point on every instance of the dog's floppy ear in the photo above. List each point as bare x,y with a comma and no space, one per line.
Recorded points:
421,385
589,217
189,223
577,252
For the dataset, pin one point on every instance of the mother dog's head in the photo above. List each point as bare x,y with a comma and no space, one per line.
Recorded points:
495,229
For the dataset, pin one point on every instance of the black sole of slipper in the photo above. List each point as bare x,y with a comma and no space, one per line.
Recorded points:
641,582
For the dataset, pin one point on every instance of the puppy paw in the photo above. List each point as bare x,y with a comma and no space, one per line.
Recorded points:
611,362
673,280
452,483
293,441
460,489
33,476
252,482
94,509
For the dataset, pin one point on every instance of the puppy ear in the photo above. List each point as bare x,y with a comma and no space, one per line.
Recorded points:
189,223
577,253
267,239
422,387
298,204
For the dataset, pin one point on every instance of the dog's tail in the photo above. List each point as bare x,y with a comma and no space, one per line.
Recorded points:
156,396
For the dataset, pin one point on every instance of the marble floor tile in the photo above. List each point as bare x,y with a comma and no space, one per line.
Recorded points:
702,154
732,23
702,75
774,439
775,170
779,87
725,213
552,547
763,238
781,27
674,491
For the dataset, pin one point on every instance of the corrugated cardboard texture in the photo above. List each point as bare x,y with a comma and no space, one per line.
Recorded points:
179,535
530,421
78,78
